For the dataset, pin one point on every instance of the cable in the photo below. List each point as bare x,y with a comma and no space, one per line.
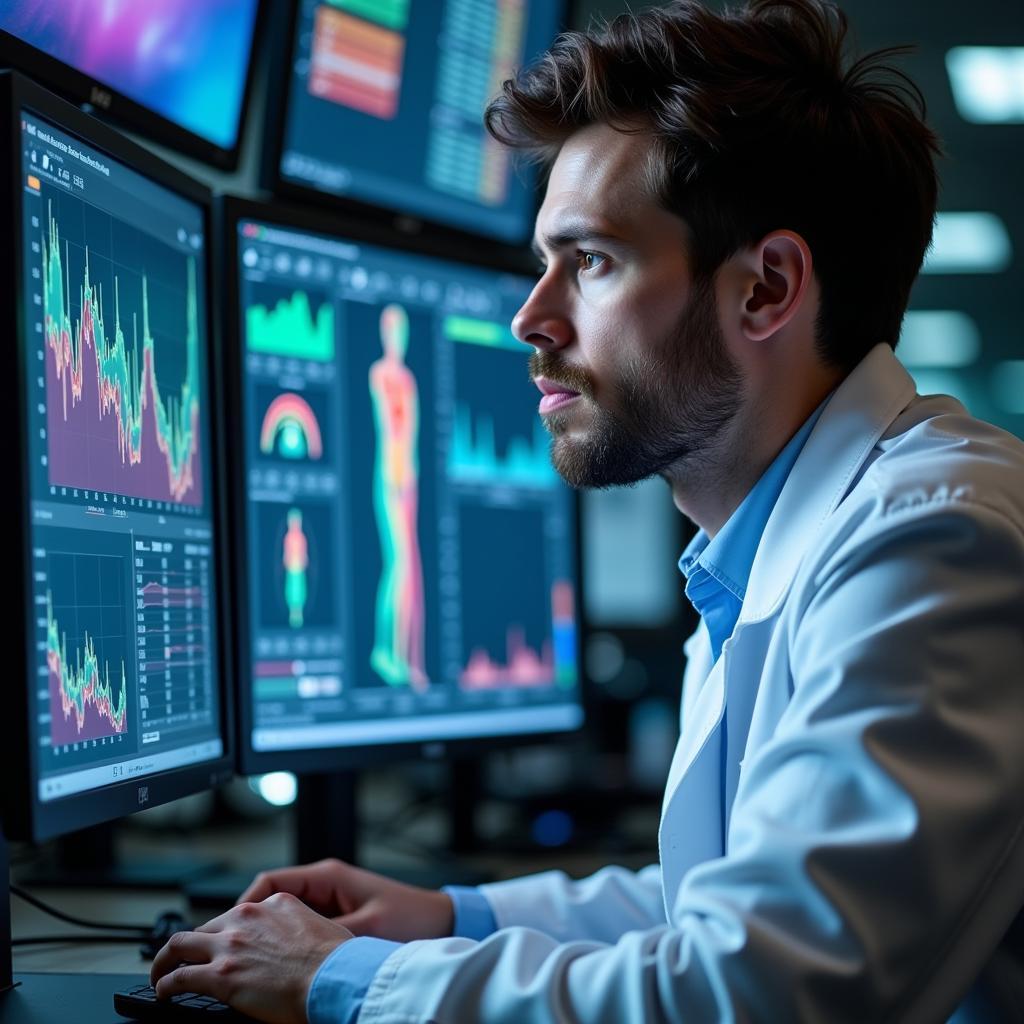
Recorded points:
141,931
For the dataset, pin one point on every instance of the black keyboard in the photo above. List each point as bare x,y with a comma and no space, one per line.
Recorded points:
141,1003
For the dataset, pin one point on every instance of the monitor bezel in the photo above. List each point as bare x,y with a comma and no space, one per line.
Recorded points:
412,224
24,816
231,210
105,101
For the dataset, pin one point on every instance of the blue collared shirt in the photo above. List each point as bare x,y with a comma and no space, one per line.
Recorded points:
717,570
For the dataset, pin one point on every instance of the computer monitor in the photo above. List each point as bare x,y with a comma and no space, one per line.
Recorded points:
385,101
407,550
115,697
176,71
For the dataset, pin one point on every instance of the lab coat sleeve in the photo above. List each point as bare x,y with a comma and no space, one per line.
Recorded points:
875,854
602,907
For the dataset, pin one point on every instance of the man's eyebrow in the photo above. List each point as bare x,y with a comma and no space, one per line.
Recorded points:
573,233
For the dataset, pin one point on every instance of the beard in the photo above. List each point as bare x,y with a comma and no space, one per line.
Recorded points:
671,405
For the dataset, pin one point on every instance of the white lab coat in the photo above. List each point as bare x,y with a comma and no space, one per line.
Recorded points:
869,855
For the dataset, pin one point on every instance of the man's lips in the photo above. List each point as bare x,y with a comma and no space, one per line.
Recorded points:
554,395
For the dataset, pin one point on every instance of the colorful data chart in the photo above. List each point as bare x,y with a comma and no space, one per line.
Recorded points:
114,425
290,328
296,564
522,666
471,330
563,616
525,666
86,647
497,437
355,62
474,456
399,649
482,46
290,429
295,567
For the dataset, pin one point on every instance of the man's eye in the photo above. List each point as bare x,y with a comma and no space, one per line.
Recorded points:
587,261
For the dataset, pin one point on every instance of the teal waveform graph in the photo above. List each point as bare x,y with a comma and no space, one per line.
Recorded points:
88,657
498,439
474,455
115,423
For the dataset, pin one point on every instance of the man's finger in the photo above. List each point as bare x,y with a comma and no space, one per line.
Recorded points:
203,978
266,883
364,921
188,946
259,888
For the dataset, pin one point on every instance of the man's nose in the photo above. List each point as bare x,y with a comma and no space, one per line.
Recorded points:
541,322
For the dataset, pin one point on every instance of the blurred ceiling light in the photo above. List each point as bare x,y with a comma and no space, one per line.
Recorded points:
1008,385
938,338
988,83
968,243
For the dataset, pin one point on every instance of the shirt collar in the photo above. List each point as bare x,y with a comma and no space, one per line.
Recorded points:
729,556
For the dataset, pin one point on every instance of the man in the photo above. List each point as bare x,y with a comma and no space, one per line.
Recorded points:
732,223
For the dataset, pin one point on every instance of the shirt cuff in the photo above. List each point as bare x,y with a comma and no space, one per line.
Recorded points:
474,918
340,985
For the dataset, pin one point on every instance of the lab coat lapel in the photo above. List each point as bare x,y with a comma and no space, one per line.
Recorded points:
694,811
691,821
702,715
746,652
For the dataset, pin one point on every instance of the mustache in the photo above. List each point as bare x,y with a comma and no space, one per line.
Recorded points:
546,364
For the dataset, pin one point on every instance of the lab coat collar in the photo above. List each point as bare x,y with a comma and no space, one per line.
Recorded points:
858,414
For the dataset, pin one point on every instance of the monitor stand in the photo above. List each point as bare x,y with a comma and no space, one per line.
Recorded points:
327,825
326,818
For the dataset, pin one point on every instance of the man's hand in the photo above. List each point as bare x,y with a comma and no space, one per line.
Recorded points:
259,957
364,903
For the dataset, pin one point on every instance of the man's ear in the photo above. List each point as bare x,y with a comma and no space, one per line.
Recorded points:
780,269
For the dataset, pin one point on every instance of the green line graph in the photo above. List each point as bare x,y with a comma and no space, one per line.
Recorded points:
113,428
83,705
291,328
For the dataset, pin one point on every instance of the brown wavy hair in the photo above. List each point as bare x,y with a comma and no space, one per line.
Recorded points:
759,121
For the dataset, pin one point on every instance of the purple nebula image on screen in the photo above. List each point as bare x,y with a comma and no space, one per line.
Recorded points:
184,59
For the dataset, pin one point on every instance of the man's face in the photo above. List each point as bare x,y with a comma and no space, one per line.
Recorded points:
630,356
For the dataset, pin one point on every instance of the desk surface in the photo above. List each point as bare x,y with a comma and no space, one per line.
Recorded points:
64,999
